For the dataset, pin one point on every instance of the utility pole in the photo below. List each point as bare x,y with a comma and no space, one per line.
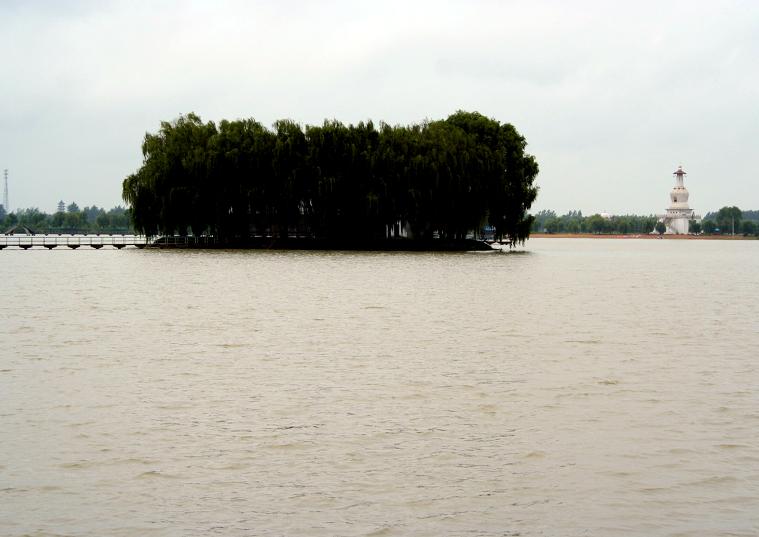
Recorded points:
5,192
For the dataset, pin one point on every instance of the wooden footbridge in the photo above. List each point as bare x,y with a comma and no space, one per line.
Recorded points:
51,241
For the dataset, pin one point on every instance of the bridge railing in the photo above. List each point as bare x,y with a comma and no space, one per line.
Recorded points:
72,241
182,241
51,241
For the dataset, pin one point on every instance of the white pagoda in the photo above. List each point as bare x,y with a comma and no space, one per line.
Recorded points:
679,214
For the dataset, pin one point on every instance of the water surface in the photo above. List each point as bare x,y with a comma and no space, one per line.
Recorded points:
579,387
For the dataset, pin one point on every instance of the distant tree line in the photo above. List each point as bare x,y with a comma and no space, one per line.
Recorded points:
71,220
731,220
723,222
574,222
444,179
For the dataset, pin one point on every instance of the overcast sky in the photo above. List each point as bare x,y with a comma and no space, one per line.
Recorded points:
611,96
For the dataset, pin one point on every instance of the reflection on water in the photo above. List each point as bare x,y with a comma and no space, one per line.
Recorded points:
581,388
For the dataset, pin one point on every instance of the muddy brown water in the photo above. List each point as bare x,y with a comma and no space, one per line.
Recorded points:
579,387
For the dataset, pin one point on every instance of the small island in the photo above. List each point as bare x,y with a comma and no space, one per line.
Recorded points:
431,186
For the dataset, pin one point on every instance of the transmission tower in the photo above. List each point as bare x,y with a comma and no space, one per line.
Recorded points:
5,191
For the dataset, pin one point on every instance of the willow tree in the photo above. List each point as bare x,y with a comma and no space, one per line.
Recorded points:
168,193
443,178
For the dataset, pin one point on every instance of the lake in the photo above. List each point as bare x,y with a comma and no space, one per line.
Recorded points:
575,387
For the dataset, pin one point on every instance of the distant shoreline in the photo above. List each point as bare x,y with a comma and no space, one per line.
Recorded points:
639,236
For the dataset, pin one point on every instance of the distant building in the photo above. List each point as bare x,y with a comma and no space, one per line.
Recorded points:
679,214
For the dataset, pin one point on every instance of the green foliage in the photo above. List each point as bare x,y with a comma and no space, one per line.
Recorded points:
441,178
88,220
596,224
748,227
575,222
660,228
729,219
540,219
745,215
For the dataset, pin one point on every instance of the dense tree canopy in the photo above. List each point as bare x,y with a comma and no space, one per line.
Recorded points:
720,222
729,219
89,220
239,179
574,222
